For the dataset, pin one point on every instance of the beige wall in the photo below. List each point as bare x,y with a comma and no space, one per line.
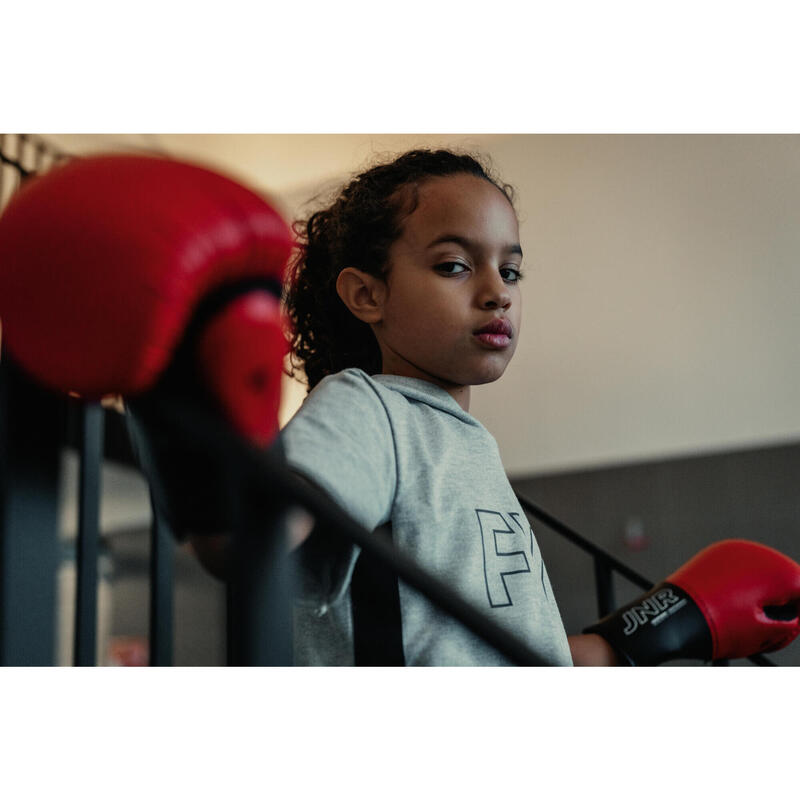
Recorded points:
660,303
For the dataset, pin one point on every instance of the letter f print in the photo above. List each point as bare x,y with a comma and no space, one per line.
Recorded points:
502,555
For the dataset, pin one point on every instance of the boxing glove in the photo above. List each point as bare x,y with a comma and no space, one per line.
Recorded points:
104,261
151,278
734,599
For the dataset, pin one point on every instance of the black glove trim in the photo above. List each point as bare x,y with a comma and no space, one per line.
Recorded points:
662,625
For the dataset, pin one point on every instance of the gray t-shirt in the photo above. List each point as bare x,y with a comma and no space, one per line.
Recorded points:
401,451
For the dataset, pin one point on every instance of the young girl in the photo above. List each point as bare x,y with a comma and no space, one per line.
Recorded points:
404,294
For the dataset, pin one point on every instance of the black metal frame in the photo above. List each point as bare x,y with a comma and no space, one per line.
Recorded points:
88,541
22,155
30,427
34,426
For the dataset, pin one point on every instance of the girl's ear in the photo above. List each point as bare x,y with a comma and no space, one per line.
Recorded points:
362,293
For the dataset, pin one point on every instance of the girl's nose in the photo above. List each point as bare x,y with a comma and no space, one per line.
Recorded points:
494,293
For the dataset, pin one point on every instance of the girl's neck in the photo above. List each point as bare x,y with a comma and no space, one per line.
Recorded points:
461,394
393,364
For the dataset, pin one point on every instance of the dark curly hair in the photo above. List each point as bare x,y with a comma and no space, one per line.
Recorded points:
356,230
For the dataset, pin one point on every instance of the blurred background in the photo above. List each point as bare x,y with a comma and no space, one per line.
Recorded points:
654,399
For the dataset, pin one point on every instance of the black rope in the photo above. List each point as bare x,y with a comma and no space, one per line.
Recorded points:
41,149
14,163
584,544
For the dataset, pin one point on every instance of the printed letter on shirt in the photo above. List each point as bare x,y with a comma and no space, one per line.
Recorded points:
503,555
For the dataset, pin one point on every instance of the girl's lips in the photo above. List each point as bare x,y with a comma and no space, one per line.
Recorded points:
496,335
497,341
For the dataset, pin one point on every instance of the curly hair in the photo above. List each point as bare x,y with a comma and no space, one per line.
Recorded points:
356,230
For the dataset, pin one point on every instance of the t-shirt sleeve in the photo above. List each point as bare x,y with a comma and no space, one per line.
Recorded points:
341,440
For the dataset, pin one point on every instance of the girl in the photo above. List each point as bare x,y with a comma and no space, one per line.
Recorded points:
404,294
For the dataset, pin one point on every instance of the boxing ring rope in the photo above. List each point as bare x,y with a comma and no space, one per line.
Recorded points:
35,424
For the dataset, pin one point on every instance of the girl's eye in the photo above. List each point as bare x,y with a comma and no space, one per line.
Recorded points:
510,274
451,268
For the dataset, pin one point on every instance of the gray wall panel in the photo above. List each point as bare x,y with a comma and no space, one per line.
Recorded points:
682,504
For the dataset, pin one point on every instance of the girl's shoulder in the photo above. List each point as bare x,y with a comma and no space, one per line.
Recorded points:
352,377
347,385
350,393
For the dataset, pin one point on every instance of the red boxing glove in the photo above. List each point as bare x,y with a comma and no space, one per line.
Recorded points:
743,589
151,278
240,354
732,600
114,267
104,260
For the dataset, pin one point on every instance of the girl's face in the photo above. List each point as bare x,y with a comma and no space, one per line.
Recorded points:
451,311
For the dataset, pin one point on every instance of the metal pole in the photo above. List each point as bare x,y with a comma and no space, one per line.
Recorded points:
91,456
162,563
604,585
31,427
260,598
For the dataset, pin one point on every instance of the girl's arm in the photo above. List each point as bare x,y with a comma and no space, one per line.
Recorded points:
212,550
591,650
